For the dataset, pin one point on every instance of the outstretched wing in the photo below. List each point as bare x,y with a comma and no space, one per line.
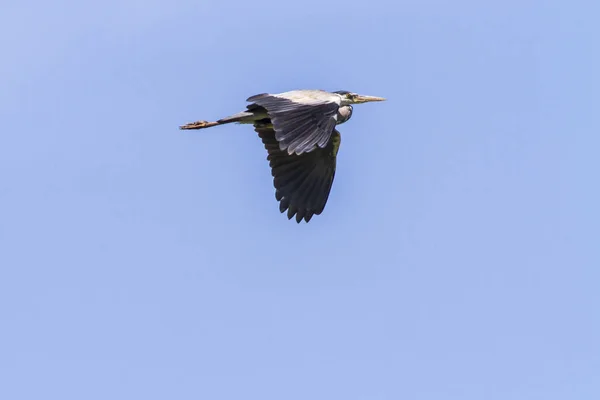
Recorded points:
303,120
302,182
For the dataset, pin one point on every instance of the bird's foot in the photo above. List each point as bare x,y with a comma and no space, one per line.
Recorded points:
198,125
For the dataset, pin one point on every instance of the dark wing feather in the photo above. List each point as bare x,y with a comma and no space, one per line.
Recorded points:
299,127
302,182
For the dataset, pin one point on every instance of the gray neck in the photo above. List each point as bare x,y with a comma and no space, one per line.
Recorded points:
344,114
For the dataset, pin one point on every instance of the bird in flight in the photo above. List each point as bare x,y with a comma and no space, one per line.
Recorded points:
298,130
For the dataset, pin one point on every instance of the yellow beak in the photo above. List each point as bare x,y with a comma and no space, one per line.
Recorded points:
366,99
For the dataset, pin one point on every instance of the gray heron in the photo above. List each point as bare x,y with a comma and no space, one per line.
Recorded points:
298,130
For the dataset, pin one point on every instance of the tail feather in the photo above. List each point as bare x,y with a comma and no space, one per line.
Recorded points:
239,117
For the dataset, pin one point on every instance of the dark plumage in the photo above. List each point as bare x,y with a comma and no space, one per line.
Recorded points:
302,182
300,127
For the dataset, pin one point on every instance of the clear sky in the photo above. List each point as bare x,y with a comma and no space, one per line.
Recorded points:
458,256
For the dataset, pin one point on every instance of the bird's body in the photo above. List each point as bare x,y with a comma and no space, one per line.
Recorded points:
298,130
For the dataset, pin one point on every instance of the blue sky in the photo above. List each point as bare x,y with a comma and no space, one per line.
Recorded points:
458,256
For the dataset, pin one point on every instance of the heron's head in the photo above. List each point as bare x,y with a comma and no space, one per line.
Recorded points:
353,98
